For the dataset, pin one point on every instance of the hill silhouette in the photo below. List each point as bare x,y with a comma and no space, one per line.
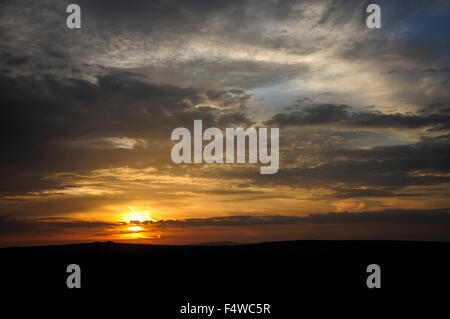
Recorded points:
300,248
281,273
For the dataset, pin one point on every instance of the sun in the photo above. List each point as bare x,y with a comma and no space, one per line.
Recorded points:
134,228
134,232
133,219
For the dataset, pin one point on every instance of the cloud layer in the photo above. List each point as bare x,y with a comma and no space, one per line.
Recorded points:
86,114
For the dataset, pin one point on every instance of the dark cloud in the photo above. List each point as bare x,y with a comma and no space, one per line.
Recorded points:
440,108
437,216
394,218
49,125
9,60
374,172
12,225
370,192
346,116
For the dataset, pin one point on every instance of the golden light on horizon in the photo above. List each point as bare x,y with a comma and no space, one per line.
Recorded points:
134,232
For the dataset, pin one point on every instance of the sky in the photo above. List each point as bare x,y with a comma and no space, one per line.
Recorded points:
87,115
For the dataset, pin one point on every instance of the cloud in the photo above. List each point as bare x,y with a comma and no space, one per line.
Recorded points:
347,116
386,166
436,108
397,216
87,114
49,125
13,225
438,216
278,49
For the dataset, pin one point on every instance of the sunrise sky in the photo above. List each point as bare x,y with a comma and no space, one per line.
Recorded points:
86,119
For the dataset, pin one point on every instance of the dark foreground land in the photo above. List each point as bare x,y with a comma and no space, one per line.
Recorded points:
318,276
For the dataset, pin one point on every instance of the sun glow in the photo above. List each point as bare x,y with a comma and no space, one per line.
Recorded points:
134,228
137,216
